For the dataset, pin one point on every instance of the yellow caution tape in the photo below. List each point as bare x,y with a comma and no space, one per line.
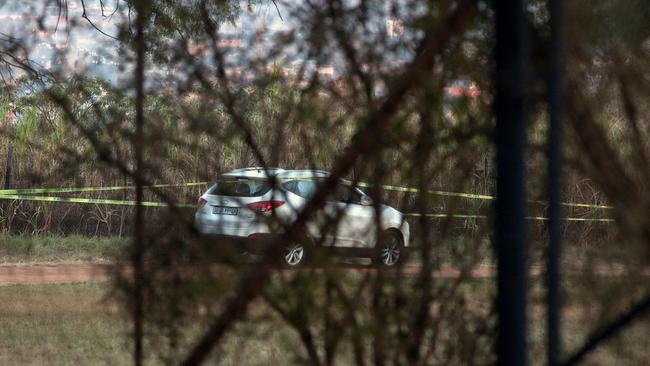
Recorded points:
189,205
28,191
534,218
88,201
472,196
438,193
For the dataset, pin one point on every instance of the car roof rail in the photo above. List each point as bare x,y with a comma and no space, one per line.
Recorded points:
254,172
303,173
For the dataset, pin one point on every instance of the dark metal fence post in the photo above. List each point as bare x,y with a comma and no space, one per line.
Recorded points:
555,87
510,224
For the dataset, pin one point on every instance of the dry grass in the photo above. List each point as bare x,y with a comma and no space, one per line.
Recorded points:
22,249
584,311
60,325
78,325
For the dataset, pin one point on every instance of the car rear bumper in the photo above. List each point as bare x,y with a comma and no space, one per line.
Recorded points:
206,224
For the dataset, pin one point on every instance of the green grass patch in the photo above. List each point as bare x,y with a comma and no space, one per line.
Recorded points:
18,249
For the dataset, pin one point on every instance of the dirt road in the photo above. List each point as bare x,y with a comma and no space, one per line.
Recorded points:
60,273
53,273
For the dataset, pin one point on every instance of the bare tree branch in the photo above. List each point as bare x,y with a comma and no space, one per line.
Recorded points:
364,142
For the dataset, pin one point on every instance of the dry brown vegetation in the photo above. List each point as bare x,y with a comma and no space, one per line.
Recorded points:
386,118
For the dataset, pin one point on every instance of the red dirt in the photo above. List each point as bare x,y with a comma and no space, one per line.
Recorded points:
54,273
60,273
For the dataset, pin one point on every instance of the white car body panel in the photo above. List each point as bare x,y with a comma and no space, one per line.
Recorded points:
355,227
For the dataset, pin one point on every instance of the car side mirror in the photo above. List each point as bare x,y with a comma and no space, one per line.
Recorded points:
366,200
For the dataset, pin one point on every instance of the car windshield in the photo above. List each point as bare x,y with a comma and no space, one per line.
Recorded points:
240,187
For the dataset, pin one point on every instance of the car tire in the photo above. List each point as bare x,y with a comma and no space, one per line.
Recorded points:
389,250
294,255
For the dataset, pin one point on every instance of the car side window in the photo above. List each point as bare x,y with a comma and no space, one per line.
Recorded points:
347,194
302,188
306,188
290,186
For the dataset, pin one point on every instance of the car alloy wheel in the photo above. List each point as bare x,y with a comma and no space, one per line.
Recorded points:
294,254
390,250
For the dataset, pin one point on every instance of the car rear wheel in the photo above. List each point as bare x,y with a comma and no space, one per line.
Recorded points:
294,255
389,250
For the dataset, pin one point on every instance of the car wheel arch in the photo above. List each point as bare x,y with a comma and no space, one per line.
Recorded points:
396,231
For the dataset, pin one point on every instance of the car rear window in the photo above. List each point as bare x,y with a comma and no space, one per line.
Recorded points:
240,187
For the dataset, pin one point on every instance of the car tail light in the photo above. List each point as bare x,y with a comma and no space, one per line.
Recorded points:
202,202
254,235
265,206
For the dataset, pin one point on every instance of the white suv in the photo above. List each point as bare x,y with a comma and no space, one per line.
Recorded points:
242,203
